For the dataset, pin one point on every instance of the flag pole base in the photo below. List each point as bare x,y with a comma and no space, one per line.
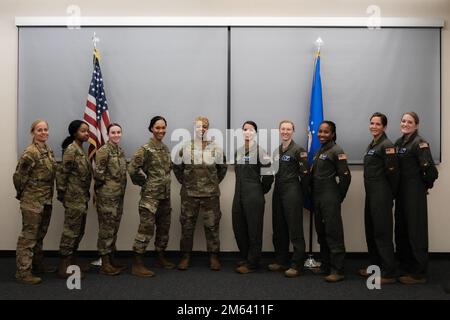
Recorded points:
310,263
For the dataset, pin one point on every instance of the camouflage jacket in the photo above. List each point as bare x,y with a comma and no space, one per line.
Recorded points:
73,179
110,171
34,177
150,168
200,169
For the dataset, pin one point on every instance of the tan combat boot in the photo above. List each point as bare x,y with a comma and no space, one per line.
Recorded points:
115,263
276,267
184,263
139,269
40,267
214,263
64,263
292,273
162,262
84,266
27,278
334,277
107,268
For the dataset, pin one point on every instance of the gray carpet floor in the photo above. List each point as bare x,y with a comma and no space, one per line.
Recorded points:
199,283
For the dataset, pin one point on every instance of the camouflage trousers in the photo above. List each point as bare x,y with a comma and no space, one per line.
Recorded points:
209,207
153,212
29,245
74,225
109,210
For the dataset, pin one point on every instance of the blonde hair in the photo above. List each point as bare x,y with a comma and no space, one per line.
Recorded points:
203,120
413,115
33,126
287,121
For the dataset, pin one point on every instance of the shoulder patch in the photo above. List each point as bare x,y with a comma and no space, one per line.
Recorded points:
423,145
342,156
390,150
303,154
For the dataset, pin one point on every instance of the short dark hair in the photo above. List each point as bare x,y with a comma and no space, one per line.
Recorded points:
252,123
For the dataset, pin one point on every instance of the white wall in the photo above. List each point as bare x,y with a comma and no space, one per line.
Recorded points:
10,220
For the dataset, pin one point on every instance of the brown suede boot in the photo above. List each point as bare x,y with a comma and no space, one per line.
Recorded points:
27,278
184,263
139,269
214,263
40,267
84,266
162,262
107,268
116,263
64,263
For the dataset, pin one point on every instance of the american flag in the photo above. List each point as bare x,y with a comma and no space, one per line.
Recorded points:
96,113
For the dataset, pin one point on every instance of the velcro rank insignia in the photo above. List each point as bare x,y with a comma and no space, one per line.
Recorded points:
342,156
139,160
303,154
423,145
390,150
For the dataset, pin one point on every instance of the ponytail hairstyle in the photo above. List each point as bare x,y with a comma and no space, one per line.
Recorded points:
114,124
382,117
154,120
33,126
73,128
414,115
332,126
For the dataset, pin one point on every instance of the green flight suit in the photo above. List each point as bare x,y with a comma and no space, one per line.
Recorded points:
381,177
417,175
253,179
291,181
329,163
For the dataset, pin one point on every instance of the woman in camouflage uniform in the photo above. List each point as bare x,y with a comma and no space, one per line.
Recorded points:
417,174
34,180
73,182
110,183
150,168
200,166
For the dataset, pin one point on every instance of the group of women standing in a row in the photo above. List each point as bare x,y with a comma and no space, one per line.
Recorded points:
403,171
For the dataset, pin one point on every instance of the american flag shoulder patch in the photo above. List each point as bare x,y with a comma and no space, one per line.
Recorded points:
390,150
342,156
303,154
423,145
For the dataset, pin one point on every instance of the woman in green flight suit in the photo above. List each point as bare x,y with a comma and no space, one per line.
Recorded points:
417,175
329,163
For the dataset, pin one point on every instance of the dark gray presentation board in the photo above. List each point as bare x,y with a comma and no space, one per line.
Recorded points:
178,73
391,70
182,72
